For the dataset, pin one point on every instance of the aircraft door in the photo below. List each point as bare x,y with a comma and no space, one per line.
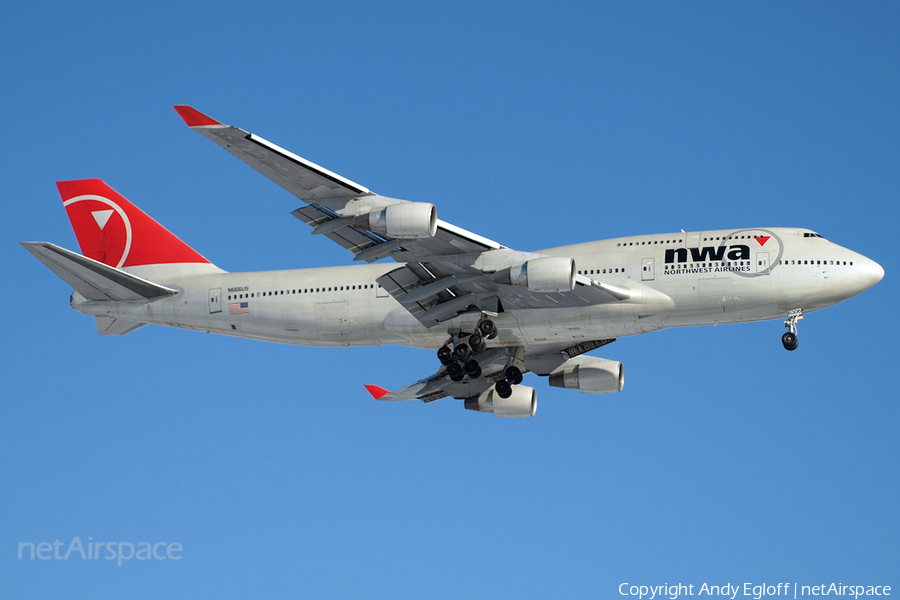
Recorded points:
762,263
215,300
648,269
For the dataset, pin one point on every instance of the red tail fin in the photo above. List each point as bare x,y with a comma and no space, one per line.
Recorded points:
112,230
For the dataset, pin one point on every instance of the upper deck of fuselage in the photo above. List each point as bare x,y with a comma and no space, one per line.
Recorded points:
656,243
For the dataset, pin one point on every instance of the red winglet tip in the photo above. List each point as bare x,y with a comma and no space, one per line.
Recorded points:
377,391
193,117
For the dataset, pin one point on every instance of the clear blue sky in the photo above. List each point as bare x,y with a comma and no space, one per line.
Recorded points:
726,459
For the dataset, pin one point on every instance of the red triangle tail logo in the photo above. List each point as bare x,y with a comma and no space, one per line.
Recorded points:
762,239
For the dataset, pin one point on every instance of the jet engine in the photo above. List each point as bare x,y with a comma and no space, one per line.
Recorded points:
407,220
546,274
589,374
522,402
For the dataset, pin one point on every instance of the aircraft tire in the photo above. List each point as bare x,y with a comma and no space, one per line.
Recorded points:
503,389
445,355
455,371
476,342
472,369
487,329
462,352
790,341
514,375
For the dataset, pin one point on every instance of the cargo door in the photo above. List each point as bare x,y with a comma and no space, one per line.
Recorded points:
717,294
333,318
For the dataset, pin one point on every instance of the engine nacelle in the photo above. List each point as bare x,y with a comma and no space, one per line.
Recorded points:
546,274
522,402
407,220
590,375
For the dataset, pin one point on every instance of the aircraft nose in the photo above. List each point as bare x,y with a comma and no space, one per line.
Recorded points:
871,273
876,272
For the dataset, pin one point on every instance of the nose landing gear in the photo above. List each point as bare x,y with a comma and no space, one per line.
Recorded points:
789,339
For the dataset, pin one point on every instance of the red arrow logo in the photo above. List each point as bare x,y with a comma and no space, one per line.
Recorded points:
762,239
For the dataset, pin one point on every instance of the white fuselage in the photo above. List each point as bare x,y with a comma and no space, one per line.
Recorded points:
711,277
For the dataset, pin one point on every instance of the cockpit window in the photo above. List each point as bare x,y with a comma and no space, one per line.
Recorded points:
809,234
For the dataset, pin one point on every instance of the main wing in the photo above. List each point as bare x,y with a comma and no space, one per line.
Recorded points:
334,203
445,270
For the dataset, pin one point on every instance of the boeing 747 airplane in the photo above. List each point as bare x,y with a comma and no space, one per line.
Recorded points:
492,313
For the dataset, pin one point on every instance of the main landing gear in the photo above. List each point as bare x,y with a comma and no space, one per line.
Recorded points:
789,339
504,386
457,356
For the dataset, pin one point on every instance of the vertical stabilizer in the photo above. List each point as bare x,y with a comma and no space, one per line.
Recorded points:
115,232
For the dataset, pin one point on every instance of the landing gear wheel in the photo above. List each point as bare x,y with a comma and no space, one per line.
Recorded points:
462,352
487,329
790,341
455,371
476,342
790,338
445,355
503,389
514,375
472,369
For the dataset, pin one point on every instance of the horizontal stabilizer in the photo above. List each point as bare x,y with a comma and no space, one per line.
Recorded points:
93,279
377,391
110,326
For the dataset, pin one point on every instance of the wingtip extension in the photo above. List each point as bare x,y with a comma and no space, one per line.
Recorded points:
377,391
193,117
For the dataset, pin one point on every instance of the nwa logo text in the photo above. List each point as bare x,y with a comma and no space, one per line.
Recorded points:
708,254
711,255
